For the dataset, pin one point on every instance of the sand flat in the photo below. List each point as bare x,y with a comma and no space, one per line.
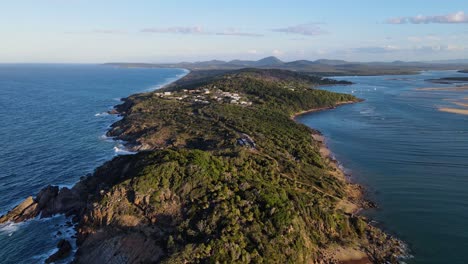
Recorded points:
461,104
454,110
452,89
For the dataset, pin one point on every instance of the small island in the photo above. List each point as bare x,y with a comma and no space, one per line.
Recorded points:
223,174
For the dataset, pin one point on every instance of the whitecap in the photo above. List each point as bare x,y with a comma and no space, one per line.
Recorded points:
105,138
102,114
68,186
9,228
121,150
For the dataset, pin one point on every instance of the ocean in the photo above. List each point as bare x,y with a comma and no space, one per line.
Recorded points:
53,122
412,158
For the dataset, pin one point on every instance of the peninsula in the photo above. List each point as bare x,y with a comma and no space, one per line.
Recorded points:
223,174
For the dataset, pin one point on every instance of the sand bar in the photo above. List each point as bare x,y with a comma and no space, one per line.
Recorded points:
454,110
451,89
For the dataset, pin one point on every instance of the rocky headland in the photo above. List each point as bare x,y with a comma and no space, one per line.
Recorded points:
223,174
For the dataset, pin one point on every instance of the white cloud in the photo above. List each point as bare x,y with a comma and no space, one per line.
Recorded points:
376,49
198,30
310,29
423,49
454,18
179,30
235,32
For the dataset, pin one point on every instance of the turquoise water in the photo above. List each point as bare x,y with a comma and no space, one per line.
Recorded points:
53,118
412,158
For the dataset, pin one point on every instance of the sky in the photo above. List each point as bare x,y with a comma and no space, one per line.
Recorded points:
97,31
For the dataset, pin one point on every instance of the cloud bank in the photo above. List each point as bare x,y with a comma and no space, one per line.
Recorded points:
198,30
310,29
176,30
455,18
425,49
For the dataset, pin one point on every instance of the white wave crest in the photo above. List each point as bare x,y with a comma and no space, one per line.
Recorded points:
121,150
10,228
102,114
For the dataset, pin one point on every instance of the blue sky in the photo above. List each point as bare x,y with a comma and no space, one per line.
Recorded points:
187,30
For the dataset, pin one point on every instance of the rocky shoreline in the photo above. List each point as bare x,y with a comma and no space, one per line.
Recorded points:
357,201
104,233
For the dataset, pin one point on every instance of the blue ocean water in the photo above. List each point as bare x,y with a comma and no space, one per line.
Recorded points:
412,158
52,124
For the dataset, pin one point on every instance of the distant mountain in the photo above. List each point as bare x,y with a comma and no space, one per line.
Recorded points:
459,61
300,63
323,67
268,61
211,62
242,62
331,62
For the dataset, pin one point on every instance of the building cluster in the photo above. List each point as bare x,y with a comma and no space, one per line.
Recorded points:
204,96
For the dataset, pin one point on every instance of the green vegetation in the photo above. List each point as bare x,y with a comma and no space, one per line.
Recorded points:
198,195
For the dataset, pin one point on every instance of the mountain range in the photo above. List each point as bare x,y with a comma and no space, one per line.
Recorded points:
324,67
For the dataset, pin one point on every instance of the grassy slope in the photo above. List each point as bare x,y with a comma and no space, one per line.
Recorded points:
198,196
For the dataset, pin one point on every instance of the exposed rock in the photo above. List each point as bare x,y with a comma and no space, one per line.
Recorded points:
25,210
53,201
49,201
113,112
64,249
102,247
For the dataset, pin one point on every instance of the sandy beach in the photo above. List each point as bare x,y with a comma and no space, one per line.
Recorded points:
322,108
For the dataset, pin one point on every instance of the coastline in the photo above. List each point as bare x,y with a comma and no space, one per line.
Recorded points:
346,255
294,116
27,207
355,193
356,196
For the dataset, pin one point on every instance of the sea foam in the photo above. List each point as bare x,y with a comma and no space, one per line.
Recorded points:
10,228
121,150
102,114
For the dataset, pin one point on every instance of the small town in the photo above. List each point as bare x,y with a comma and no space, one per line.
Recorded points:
205,96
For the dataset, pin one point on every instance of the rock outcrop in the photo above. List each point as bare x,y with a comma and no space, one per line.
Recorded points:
64,250
49,201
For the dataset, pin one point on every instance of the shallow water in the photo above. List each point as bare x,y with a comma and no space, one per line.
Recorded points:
412,158
53,118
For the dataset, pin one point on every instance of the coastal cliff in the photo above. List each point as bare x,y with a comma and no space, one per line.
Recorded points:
223,174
